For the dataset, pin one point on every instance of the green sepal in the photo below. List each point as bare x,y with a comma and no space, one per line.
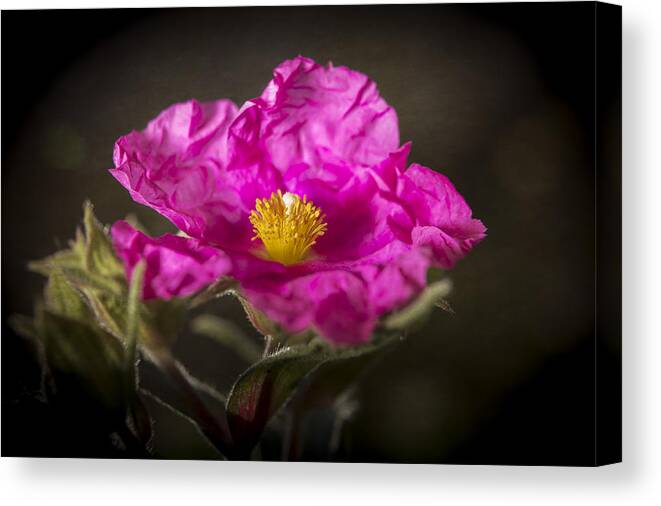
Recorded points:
419,310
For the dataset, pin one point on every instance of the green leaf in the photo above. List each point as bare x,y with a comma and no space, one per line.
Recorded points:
65,259
61,298
420,308
77,245
23,326
107,300
264,388
176,436
99,254
157,324
168,387
328,390
89,262
172,383
77,275
77,349
109,311
228,334
91,280
334,377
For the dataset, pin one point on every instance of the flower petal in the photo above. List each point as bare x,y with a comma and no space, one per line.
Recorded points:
310,113
175,266
177,166
340,300
442,219
335,303
395,275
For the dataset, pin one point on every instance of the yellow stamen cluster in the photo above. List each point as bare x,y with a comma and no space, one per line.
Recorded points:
287,225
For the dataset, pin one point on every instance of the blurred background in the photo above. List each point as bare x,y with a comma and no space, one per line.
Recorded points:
498,97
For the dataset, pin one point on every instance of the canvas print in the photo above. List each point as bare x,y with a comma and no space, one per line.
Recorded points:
346,234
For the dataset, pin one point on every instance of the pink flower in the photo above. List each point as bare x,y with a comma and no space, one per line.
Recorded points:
302,195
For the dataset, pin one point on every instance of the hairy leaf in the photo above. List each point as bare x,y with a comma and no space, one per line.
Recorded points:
173,384
62,298
76,349
263,389
64,259
176,435
99,254
23,326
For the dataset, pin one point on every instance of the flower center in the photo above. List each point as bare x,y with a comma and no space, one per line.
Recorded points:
287,225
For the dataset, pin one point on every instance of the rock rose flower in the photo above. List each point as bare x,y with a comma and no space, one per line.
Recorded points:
302,195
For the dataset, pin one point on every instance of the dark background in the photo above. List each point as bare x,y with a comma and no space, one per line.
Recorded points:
500,97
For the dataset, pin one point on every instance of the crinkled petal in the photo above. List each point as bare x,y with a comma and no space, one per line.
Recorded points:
440,217
447,250
340,300
335,303
395,275
175,266
177,166
310,114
